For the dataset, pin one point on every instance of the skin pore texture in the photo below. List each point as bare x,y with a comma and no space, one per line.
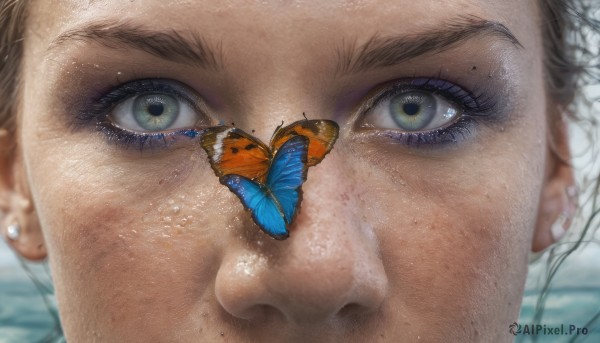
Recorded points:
393,242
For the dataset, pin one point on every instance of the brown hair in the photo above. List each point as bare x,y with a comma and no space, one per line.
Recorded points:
12,28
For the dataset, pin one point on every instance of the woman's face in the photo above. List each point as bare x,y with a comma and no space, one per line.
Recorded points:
416,226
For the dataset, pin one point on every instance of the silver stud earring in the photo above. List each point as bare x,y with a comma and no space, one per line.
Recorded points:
13,232
558,227
571,192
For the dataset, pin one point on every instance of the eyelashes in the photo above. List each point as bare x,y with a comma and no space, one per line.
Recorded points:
148,113
427,112
417,112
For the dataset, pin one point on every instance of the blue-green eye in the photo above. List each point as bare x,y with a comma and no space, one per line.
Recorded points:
411,110
154,112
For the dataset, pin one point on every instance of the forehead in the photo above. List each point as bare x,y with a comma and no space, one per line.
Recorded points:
277,41
281,19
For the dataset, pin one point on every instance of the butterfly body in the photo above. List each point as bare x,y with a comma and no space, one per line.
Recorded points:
268,180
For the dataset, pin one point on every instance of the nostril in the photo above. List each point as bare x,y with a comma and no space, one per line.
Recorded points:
352,309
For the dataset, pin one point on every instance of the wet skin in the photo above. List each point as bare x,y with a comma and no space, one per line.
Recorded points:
397,238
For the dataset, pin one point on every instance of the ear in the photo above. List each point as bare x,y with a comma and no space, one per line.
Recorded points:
16,204
559,195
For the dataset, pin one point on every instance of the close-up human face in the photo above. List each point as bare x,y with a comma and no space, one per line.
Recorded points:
416,226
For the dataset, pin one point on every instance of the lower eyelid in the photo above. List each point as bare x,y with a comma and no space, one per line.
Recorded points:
462,129
142,141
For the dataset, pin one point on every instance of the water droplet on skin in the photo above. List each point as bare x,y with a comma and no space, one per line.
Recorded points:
176,209
171,201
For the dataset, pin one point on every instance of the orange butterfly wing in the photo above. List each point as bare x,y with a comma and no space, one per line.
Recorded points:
233,151
321,134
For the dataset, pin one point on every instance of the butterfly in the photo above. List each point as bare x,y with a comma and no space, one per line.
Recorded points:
268,179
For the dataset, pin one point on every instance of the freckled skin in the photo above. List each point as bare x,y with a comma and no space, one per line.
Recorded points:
391,244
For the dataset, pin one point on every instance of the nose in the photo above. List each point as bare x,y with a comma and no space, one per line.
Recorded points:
328,268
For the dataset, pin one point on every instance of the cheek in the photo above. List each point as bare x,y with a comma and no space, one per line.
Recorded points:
115,229
455,233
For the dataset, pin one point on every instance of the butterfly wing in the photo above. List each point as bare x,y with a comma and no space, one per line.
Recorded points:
321,134
287,174
233,151
255,198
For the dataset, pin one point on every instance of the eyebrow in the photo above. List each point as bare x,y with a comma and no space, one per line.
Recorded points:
380,52
182,47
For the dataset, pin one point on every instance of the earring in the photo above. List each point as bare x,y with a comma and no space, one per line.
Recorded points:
571,192
558,227
13,232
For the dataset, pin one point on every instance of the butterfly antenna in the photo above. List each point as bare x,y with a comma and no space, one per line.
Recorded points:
232,124
279,127
304,115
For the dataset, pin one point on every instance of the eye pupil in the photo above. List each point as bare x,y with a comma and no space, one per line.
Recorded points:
156,109
411,109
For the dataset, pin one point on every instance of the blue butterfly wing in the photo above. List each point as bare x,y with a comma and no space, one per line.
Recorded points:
286,175
261,204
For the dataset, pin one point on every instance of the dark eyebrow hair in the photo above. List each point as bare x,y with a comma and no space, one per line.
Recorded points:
379,52
182,47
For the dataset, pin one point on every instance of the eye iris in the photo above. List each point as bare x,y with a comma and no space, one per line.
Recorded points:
413,111
155,111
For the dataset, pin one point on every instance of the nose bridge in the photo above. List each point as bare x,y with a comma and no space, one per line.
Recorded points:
279,101
281,85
